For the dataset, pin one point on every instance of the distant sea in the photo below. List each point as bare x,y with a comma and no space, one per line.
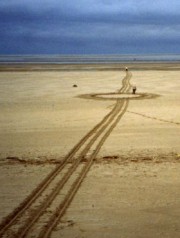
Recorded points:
87,59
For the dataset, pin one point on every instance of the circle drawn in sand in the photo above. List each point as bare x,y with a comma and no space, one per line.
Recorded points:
118,96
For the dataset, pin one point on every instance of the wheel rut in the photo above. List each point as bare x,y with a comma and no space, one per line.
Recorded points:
42,210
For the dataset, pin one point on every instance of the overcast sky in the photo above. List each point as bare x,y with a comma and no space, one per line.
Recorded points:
89,26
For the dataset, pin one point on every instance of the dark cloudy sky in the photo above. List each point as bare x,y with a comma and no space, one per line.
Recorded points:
89,26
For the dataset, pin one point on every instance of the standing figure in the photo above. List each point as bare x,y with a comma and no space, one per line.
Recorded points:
126,68
134,90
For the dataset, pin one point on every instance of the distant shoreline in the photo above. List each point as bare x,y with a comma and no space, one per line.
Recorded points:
90,59
144,65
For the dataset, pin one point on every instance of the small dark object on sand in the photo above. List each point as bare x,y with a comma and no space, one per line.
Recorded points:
75,86
12,158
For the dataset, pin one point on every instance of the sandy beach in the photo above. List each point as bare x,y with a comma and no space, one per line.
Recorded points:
132,188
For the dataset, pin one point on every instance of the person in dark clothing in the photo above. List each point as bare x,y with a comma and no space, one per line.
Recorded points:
134,90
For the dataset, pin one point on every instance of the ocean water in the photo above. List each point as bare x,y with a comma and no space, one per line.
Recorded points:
87,59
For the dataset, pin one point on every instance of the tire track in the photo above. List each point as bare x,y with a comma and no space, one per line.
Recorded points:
55,218
11,218
110,120
23,231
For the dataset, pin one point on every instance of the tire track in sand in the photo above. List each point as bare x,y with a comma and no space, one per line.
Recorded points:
94,139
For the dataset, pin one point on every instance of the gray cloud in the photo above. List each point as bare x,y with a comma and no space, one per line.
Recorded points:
89,26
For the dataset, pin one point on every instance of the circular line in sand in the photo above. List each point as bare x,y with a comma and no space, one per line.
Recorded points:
118,96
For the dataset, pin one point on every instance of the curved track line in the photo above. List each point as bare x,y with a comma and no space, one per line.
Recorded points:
26,227
46,232
9,220
97,131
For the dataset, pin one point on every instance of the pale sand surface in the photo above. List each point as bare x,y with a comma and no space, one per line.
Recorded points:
42,119
39,109
132,200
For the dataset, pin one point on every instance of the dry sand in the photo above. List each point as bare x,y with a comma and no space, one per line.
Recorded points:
132,190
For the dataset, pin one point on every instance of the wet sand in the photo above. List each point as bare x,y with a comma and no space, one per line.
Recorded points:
137,169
